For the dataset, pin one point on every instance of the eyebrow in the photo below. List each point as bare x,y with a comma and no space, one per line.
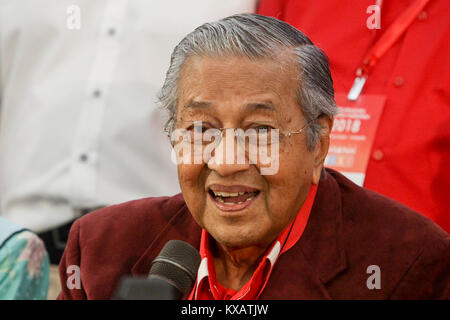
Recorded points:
253,106
260,106
198,105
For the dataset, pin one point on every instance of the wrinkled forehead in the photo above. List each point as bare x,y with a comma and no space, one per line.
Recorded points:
207,81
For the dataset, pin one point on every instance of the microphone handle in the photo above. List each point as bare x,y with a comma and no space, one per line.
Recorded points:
151,288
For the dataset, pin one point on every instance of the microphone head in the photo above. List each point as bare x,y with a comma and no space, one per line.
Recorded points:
177,263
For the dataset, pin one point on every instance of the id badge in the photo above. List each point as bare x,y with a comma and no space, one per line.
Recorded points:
353,133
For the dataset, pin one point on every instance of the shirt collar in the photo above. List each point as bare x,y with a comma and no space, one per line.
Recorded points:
207,286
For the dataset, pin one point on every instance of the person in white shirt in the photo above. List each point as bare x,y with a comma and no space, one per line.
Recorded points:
79,124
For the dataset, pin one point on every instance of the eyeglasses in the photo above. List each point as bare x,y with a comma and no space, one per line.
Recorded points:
198,134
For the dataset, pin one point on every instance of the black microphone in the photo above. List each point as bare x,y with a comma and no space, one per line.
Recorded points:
172,275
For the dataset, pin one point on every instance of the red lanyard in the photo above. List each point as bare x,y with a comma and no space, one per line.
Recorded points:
387,39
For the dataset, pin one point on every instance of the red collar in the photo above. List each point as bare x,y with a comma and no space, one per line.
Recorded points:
208,288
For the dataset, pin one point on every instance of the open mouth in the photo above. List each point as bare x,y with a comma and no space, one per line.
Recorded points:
232,198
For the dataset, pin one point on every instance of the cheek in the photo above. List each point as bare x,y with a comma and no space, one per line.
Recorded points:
189,174
295,166
289,186
191,183
298,161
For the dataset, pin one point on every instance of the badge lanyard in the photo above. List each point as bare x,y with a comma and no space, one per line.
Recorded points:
384,43
354,129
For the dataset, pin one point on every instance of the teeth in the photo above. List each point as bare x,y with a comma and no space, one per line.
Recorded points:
228,194
220,199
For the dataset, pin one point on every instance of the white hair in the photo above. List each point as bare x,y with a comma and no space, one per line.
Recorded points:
256,37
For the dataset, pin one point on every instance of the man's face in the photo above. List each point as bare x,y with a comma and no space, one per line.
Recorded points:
237,205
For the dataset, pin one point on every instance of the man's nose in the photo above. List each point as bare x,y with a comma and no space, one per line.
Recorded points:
228,157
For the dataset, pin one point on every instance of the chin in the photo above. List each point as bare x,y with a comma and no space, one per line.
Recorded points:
237,238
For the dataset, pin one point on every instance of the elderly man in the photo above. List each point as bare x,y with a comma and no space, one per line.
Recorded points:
269,221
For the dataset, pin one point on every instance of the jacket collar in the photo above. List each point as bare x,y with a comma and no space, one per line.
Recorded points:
300,273
319,256
323,243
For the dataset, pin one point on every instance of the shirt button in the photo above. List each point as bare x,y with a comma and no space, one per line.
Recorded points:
111,32
378,154
83,157
96,93
422,16
399,81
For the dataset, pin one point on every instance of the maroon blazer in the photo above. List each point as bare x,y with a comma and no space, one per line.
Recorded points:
349,229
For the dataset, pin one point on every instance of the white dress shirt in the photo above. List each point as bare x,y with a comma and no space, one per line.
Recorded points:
78,81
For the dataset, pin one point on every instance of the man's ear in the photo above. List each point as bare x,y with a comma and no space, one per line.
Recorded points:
321,148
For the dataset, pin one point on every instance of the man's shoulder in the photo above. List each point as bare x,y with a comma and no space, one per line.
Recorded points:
134,223
372,215
135,210
411,251
122,239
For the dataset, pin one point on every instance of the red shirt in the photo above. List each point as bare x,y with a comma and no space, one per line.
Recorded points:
410,159
208,288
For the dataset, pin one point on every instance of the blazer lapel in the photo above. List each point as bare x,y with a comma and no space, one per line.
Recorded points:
319,255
